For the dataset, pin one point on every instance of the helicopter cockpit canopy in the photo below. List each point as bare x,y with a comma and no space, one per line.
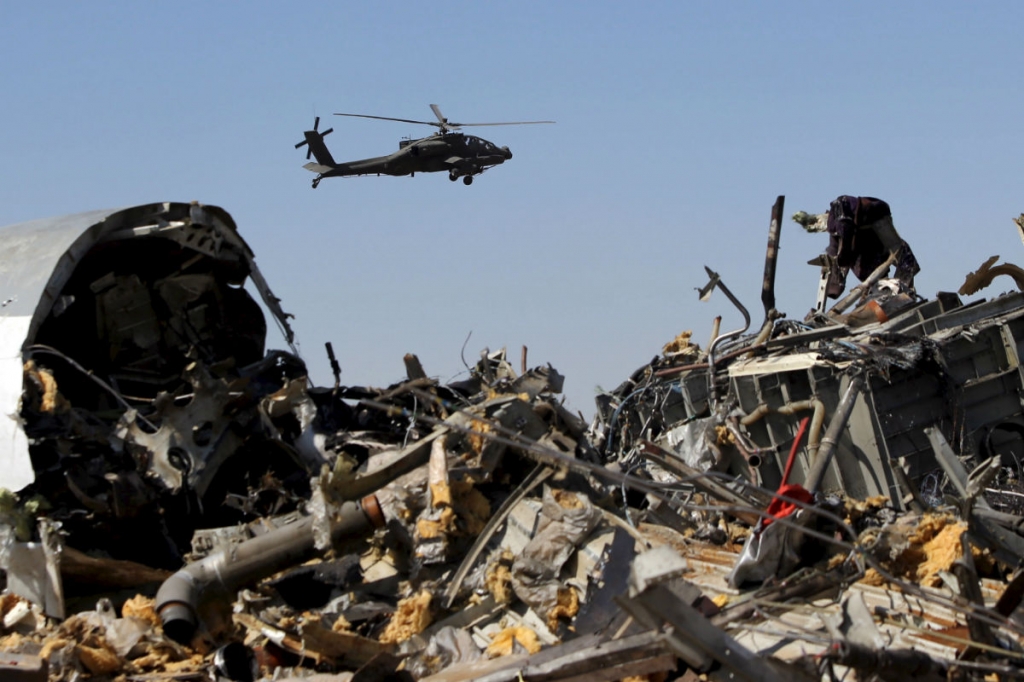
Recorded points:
479,144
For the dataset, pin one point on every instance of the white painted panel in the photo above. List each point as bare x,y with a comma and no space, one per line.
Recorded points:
15,464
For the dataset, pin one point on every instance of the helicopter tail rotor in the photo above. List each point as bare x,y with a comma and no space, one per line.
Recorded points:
314,134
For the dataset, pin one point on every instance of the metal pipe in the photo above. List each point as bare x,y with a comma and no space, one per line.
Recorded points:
762,337
185,595
835,428
756,415
747,351
716,327
751,454
817,419
789,409
705,293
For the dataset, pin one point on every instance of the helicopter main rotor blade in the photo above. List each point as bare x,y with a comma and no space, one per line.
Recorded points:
442,123
509,123
437,112
445,123
388,118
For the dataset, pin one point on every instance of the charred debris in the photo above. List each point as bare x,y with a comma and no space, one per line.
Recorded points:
832,497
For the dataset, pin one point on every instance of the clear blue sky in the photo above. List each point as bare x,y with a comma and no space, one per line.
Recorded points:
678,123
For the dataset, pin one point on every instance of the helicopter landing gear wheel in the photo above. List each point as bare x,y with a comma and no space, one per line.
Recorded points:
453,177
316,181
468,180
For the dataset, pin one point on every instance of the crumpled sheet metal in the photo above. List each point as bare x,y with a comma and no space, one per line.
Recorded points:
40,258
32,569
142,387
594,524
566,519
794,634
189,434
768,552
14,457
690,441
294,400
938,361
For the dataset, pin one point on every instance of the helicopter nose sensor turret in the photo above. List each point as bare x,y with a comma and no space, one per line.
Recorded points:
507,152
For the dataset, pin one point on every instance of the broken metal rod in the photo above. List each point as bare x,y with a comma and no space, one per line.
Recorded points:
411,458
413,367
531,448
750,452
561,461
771,259
1000,531
542,454
805,588
588,659
746,351
539,474
862,288
552,457
406,387
694,639
335,367
705,292
970,589
950,463
716,327
667,460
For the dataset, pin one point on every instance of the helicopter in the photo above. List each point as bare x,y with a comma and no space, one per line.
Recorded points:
463,156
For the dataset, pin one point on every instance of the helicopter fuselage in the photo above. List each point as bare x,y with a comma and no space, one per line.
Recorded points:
457,153
463,156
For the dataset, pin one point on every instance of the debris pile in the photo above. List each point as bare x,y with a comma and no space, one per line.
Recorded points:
837,493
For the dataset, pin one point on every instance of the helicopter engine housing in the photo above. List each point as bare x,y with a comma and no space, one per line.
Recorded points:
431,147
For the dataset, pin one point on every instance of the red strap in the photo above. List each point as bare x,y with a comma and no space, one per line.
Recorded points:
779,508
792,450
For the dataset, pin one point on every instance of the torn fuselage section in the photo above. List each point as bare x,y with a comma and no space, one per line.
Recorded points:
836,406
143,372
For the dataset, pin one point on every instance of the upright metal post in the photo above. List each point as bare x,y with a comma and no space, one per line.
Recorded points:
770,260
831,437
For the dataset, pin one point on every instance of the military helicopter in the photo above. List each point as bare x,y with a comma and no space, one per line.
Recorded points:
463,156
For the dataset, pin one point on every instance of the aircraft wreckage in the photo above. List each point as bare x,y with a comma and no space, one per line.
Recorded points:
806,499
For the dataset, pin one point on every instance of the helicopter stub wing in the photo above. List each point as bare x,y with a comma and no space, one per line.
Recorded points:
317,168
